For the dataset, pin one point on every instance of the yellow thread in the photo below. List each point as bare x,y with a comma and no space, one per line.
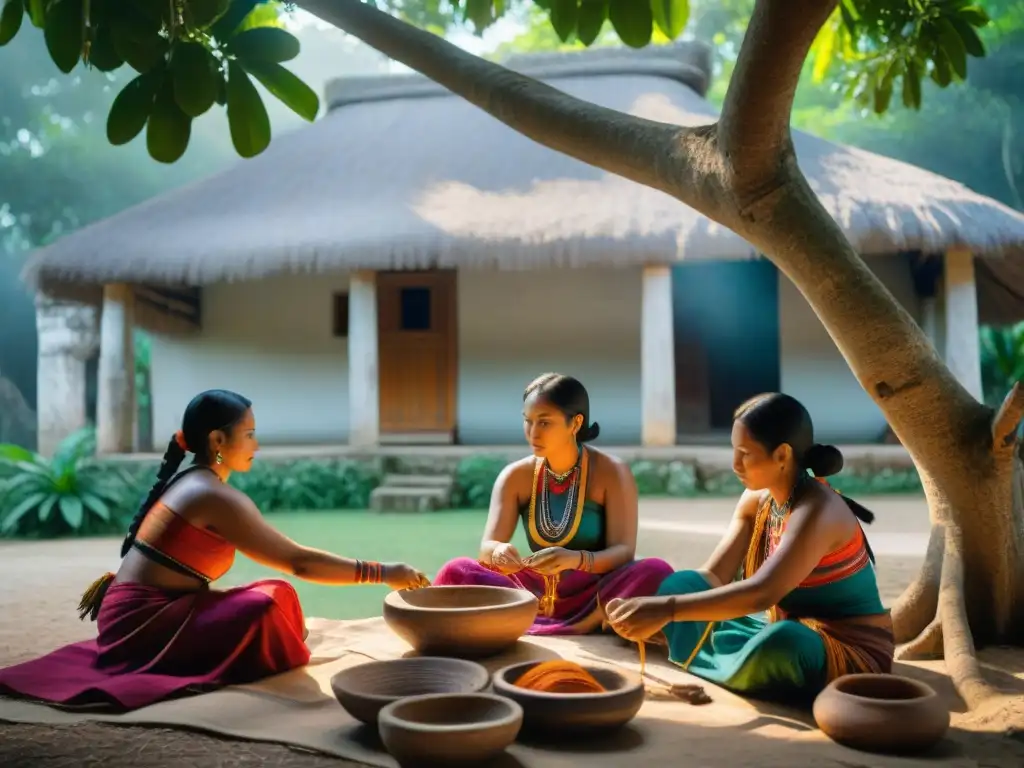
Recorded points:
547,602
538,465
92,598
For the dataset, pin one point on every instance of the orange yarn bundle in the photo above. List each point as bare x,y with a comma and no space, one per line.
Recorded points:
559,677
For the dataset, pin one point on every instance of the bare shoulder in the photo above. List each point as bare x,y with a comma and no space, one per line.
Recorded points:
605,465
517,474
820,506
750,504
207,497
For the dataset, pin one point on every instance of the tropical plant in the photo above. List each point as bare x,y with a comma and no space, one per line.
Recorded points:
68,495
1002,358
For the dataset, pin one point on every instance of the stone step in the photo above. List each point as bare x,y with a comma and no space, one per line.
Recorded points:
418,481
404,499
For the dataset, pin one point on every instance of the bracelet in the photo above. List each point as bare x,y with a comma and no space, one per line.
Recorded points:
586,561
369,572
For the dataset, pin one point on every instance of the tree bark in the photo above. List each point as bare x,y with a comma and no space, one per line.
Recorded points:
742,173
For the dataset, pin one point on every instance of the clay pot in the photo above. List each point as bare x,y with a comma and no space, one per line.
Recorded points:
468,622
449,729
366,689
564,713
881,713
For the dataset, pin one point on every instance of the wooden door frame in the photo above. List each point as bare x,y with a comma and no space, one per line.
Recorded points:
433,278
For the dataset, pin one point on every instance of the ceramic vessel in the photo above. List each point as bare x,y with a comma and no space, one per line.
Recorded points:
449,729
467,622
564,713
881,713
366,689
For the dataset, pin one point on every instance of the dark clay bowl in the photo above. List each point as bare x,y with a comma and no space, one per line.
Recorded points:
366,689
881,713
561,713
466,622
449,729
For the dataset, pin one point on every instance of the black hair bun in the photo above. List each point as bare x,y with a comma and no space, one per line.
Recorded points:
586,434
823,460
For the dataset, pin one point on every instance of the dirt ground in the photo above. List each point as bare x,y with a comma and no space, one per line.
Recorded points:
40,583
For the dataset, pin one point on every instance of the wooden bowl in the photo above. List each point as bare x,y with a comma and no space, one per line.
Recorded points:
366,689
881,713
449,729
467,622
561,713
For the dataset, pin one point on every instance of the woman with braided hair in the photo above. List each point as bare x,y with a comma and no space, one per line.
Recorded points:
162,631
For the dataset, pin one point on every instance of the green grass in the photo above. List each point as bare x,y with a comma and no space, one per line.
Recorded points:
426,541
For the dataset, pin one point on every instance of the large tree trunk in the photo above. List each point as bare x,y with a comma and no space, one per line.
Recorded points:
742,173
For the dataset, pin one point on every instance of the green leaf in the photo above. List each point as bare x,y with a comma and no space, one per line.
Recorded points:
265,44
824,50
97,506
287,87
479,12
195,77
103,53
972,43
975,15
953,46
941,73
11,16
228,23
883,91
671,16
37,12
72,512
27,505
632,20
247,115
138,43
912,86
12,452
564,15
592,16
64,33
46,508
169,129
131,108
202,13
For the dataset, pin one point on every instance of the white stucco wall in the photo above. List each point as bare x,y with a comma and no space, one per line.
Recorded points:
514,326
272,341
815,373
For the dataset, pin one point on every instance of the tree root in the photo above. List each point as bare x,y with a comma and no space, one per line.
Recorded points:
918,604
926,646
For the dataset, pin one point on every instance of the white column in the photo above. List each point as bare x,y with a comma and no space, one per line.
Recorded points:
363,378
115,393
963,356
657,358
67,339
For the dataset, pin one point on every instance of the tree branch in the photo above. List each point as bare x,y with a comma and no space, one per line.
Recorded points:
754,129
1007,420
927,645
680,161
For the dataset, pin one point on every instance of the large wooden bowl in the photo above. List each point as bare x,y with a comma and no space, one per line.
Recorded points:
366,689
547,714
881,713
465,622
449,729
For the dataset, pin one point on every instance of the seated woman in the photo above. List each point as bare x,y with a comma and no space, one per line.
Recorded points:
579,511
162,631
804,564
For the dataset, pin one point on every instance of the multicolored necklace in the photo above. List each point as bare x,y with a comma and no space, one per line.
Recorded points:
571,484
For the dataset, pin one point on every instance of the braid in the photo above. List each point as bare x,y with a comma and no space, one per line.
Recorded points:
173,457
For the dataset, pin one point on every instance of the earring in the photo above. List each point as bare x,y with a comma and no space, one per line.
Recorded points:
219,459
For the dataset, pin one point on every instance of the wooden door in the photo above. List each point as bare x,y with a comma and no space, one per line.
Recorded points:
418,346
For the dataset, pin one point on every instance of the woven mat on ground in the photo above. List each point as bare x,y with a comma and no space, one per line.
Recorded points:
298,709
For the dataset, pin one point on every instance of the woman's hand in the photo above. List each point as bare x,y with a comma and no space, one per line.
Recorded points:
402,576
639,618
553,560
506,558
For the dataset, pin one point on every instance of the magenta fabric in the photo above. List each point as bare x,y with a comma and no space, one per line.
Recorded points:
578,592
154,645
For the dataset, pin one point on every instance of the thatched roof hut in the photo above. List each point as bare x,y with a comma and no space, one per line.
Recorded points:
400,174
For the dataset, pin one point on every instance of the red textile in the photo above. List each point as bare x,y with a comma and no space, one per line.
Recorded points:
198,550
154,645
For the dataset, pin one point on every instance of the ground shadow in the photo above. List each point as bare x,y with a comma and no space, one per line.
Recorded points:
625,739
368,739
520,652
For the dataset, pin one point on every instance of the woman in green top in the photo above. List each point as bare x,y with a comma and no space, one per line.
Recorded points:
578,507
788,601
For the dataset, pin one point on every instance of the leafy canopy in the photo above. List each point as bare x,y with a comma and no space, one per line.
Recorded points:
193,54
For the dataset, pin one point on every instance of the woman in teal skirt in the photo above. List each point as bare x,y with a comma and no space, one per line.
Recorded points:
789,600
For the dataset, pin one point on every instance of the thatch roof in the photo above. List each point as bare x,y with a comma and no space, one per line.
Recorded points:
400,174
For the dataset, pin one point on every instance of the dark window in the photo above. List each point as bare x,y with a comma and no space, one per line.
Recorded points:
341,315
415,309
